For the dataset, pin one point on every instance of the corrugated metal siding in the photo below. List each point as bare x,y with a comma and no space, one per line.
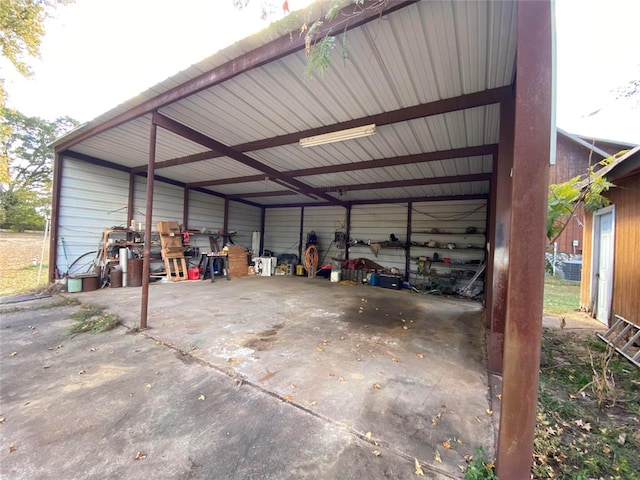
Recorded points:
91,198
282,230
205,212
168,202
376,223
244,219
324,221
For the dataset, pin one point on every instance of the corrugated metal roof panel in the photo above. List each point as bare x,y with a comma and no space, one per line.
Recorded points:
421,53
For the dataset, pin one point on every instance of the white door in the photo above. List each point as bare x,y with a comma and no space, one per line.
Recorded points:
603,262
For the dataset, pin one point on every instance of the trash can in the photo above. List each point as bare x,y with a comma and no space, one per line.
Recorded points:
134,272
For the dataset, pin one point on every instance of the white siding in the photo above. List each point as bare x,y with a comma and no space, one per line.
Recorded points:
282,230
376,223
167,202
325,221
205,211
91,198
243,219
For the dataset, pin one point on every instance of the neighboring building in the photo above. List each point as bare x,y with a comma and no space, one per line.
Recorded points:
610,273
574,154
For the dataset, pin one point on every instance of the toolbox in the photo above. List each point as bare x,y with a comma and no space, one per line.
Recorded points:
391,281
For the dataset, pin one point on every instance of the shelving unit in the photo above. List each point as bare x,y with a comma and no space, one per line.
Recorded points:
447,261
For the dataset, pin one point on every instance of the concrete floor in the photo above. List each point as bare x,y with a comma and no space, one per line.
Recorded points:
392,371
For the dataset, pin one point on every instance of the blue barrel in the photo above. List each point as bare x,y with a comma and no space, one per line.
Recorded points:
375,280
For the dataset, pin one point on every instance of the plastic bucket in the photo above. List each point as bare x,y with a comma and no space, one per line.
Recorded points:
335,275
375,280
74,285
299,270
193,273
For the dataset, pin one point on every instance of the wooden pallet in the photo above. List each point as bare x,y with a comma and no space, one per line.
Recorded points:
624,337
172,251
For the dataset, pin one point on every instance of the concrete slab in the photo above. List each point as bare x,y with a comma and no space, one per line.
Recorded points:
301,379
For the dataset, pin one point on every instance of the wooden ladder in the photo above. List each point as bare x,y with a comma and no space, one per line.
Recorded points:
623,336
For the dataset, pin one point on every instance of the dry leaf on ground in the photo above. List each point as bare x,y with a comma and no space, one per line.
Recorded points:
140,456
418,468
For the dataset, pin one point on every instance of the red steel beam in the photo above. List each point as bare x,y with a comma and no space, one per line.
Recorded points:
365,164
447,105
197,137
523,330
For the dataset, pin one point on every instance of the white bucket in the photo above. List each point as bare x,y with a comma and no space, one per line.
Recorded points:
335,275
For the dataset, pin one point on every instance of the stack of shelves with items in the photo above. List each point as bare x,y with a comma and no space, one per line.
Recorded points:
448,261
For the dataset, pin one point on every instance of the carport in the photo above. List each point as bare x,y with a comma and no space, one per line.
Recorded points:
460,96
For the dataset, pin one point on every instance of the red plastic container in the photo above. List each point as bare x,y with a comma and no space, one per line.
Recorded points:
193,273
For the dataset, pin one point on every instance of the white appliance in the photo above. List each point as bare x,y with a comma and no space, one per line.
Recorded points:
265,266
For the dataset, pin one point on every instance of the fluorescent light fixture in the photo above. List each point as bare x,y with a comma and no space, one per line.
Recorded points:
339,136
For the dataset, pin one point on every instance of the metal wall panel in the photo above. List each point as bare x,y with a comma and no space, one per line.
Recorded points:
167,202
91,198
206,212
282,230
244,219
324,221
375,223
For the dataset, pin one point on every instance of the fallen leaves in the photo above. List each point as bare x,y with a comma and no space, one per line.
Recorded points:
488,411
12,448
446,444
377,453
437,457
419,355
82,372
13,354
46,365
435,420
202,396
313,403
418,468
140,456
288,398
341,379
376,386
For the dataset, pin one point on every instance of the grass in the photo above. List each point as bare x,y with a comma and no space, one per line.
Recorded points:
17,253
91,318
583,433
560,296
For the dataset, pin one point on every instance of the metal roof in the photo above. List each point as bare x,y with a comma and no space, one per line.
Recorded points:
428,73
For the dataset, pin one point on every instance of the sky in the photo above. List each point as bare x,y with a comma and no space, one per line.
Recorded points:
97,54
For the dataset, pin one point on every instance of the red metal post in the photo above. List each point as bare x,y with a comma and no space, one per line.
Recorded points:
146,262
55,206
531,147
499,239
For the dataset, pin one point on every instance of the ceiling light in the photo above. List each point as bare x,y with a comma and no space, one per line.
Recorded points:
339,136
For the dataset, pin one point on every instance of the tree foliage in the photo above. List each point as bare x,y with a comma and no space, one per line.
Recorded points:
27,163
319,41
582,190
21,32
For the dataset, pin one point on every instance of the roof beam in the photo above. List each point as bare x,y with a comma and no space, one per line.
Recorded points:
350,17
378,201
224,150
414,182
366,164
438,107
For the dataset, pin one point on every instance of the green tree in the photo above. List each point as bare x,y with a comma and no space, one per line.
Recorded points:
25,186
584,190
21,32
